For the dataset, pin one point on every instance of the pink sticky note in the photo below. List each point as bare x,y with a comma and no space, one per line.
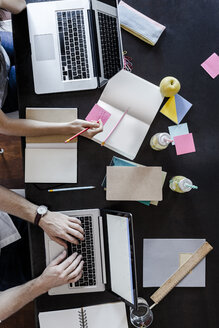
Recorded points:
184,144
97,113
211,65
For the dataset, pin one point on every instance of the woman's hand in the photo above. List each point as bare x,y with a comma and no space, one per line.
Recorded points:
78,125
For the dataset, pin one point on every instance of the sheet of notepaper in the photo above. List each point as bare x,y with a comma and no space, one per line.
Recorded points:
176,108
211,65
98,113
178,130
184,144
162,257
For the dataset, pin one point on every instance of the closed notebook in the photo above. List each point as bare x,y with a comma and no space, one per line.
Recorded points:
48,159
111,315
134,183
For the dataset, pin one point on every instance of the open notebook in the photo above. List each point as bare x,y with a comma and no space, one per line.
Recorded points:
111,315
126,91
48,158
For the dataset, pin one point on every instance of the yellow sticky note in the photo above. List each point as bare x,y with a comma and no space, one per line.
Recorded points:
169,110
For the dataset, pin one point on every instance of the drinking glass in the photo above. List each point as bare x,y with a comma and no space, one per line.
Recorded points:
142,316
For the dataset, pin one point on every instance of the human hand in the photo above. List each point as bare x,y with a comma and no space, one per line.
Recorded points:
14,6
60,228
94,127
62,271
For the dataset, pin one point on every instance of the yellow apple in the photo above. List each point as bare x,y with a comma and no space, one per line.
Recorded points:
169,86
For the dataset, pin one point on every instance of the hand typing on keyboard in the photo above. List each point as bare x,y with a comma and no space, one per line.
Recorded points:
60,228
61,271
86,249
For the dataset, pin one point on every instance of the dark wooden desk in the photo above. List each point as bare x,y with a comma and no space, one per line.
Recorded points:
190,37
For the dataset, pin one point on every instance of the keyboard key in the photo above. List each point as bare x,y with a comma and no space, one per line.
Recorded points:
89,275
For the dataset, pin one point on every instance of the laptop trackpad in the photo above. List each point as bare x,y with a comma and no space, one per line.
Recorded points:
44,47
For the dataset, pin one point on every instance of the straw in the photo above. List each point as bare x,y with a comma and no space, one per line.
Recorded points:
169,140
191,186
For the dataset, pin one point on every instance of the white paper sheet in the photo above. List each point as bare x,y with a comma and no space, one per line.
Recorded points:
161,258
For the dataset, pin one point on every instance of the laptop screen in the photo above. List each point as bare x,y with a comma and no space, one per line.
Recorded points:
112,3
120,258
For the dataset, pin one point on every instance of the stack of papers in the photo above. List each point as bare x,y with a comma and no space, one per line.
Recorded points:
134,183
120,162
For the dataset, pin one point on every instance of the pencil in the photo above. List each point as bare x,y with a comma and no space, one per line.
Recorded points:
71,188
103,143
76,135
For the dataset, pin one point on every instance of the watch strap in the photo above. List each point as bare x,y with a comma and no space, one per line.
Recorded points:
37,219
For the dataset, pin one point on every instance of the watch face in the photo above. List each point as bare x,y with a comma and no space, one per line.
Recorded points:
42,210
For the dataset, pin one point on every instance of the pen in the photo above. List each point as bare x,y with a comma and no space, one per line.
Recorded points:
76,135
71,188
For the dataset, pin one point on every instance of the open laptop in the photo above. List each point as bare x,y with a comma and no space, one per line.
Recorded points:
108,251
75,44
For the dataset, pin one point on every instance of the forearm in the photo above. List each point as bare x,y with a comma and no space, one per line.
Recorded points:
31,128
15,298
16,205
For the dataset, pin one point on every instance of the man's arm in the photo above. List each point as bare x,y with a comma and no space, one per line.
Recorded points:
58,226
14,6
31,128
58,272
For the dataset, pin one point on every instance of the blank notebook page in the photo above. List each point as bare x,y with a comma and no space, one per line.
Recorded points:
111,315
60,319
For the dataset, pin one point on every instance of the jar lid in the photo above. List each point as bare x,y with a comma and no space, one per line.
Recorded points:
184,184
163,138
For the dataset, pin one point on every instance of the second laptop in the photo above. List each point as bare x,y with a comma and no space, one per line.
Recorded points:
75,44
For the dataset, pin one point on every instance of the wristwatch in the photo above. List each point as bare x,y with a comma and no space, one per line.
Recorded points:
41,211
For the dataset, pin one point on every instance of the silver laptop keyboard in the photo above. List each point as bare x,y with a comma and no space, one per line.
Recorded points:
86,249
109,44
72,39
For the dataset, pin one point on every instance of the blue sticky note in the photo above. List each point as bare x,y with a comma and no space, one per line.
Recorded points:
182,107
178,130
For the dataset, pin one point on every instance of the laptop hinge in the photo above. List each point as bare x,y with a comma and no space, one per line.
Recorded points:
94,44
102,252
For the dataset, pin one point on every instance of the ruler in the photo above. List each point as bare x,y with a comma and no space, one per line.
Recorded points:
183,270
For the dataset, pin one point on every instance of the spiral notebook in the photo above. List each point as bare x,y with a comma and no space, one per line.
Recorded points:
111,315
